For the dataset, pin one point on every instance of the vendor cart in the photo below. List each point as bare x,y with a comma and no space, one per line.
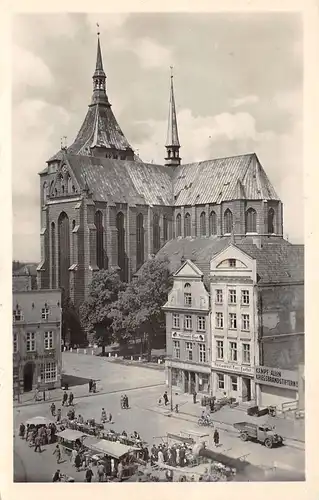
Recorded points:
71,439
117,451
38,421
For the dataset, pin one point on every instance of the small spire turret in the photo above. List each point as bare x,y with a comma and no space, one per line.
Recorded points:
99,77
172,142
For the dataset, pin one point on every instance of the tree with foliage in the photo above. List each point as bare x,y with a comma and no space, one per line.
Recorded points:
138,311
95,311
71,326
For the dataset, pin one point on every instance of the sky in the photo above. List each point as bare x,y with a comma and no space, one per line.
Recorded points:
238,82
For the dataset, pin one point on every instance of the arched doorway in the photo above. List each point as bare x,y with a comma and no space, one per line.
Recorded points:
28,372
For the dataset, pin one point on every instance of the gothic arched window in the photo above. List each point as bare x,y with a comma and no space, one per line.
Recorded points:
45,192
202,224
121,258
187,225
178,225
251,221
228,221
53,256
165,228
212,223
156,233
271,221
69,184
98,221
64,251
139,240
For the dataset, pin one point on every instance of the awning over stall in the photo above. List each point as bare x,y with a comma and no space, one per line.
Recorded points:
111,448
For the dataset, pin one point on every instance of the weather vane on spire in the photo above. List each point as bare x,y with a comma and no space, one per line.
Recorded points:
98,29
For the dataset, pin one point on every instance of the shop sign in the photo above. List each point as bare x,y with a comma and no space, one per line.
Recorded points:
234,368
276,377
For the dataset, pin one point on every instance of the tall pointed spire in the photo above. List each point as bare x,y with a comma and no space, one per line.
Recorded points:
172,142
99,77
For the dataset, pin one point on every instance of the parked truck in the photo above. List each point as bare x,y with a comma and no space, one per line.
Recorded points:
264,434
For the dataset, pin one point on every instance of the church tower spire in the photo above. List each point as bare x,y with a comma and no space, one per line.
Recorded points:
172,142
99,78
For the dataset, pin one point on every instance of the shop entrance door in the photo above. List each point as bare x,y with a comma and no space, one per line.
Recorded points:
28,377
246,389
192,382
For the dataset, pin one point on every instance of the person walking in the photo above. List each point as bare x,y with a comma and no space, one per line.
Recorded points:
57,476
64,398
103,416
71,398
165,397
194,397
58,417
57,452
216,437
37,443
88,475
90,385
73,455
101,472
77,462
52,408
120,471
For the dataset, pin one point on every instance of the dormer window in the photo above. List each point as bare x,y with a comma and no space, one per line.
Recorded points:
187,295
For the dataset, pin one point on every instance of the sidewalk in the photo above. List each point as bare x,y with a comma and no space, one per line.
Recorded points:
293,431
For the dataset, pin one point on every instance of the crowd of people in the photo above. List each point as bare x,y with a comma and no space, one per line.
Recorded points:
38,435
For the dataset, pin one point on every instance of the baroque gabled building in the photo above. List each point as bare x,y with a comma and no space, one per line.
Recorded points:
102,207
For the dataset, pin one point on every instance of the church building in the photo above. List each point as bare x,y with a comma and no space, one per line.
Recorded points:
102,207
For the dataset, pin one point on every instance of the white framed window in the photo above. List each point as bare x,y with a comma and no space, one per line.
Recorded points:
17,315
45,313
30,342
176,321
188,322
187,295
233,351
189,351
245,322
220,381
48,372
220,349
48,340
233,321
201,323
176,349
219,296
234,383
232,297
219,320
202,353
15,342
245,297
246,354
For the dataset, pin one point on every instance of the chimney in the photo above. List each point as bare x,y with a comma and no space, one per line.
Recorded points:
257,241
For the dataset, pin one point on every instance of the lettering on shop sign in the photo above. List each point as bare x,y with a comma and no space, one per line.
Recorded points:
277,377
234,368
34,357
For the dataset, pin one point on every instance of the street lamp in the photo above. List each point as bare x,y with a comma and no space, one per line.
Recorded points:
170,380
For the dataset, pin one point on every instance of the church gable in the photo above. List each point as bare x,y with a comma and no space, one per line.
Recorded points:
64,182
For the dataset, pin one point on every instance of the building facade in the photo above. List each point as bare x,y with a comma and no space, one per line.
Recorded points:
188,331
37,357
103,207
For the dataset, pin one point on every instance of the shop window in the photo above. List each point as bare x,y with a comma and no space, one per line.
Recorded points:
232,296
245,322
219,320
246,354
234,383
188,322
187,295
219,296
30,342
203,382
176,349
212,223
220,349
202,353
189,351
245,297
233,351
176,322
48,340
201,323
233,321
48,372
15,342
202,224
221,381
45,313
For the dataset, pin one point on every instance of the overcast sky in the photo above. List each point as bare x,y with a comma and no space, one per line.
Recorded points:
238,88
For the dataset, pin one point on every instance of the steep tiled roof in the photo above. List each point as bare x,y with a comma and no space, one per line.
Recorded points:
278,261
214,181
123,181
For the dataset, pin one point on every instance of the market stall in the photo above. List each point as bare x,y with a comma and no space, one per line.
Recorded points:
38,421
127,455
74,440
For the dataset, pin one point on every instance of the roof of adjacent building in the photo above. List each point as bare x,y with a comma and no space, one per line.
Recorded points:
214,181
278,261
26,270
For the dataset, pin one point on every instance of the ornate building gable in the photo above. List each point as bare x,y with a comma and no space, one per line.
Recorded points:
65,183
233,263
